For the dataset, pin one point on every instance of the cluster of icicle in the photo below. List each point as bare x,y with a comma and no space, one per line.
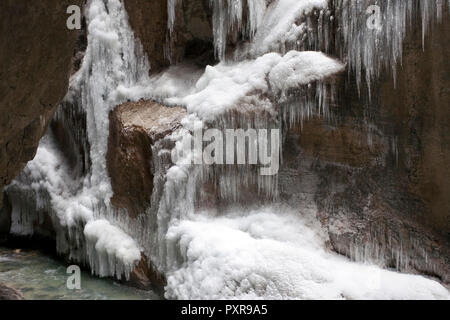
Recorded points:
284,25
371,50
276,36
271,76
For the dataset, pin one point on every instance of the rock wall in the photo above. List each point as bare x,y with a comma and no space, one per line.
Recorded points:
36,55
382,190
149,22
419,107
192,37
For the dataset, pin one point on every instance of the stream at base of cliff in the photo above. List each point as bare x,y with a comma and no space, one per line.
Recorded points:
42,277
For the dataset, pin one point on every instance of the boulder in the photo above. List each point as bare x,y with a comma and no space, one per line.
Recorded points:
134,129
8,293
418,106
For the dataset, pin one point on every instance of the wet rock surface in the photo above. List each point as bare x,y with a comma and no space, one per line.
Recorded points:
36,62
8,293
149,22
419,109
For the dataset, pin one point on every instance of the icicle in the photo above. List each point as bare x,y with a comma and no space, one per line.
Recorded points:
369,50
228,19
171,7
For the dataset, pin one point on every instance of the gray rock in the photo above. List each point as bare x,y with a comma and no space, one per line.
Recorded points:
8,293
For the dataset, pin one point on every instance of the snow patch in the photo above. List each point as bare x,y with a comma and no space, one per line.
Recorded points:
224,86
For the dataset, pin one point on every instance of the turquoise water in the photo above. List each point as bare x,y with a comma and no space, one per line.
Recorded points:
41,277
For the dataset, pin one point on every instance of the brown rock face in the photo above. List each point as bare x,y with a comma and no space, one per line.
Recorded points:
35,56
420,108
191,39
134,128
149,22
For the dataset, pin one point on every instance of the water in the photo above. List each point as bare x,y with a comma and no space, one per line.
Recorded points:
41,277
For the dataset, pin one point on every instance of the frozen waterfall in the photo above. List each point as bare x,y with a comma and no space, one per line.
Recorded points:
281,73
